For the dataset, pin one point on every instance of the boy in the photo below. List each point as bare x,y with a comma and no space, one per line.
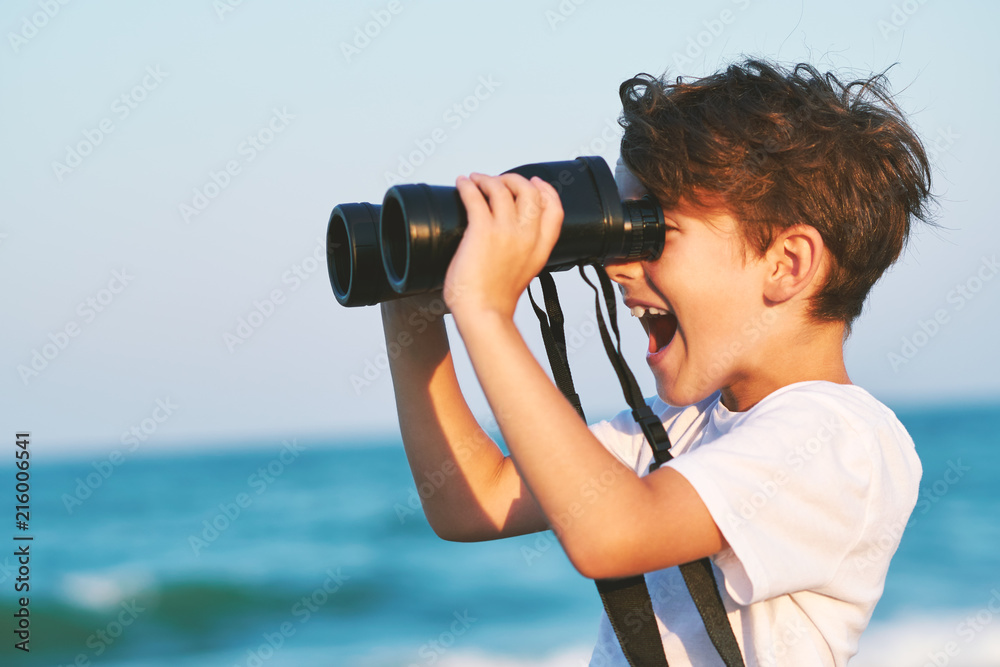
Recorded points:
786,195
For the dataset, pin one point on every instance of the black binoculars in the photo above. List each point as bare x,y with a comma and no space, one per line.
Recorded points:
377,253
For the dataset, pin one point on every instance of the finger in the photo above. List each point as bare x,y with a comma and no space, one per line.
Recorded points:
500,199
550,220
552,211
527,198
472,197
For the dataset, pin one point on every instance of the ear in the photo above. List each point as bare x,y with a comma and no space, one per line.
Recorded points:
794,261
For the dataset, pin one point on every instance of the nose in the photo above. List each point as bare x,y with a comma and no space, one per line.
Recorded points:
624,272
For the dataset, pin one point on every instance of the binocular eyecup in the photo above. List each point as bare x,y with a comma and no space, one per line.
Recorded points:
378,253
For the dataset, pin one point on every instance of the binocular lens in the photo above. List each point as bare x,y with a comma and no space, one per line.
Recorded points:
396,240
337,241
405,246
354,256
421,227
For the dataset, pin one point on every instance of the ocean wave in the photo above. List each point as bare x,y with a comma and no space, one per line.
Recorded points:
963,638
969,638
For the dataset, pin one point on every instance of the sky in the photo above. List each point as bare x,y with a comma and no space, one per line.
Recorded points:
169,170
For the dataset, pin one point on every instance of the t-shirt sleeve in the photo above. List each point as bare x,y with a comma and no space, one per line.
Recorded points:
622,437
789,489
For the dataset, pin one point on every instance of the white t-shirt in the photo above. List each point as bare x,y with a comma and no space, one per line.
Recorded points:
811,488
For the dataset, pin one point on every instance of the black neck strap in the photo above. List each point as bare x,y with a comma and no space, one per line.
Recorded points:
627,600
650,424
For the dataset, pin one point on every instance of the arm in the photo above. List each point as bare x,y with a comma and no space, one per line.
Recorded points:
632,525
470,491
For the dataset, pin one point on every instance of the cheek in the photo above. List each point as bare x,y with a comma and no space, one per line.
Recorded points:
716,323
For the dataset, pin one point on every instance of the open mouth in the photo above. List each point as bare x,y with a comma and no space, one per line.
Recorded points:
660,325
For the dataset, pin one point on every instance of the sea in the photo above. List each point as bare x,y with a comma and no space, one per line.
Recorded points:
302,552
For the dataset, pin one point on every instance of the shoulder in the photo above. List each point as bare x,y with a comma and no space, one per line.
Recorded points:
828,412
841,424
845,399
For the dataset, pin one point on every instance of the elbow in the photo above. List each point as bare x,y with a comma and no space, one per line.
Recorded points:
594,560
612,553
444,529
597,569
588,568
449,533
450,530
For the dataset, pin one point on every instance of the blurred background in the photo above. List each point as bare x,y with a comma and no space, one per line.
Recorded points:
216,475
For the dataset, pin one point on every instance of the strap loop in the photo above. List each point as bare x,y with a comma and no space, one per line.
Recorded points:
657,436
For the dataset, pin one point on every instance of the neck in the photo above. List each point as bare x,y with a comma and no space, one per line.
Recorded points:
815,352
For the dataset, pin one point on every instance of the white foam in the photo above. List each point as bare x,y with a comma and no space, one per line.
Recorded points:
103,590
911,641
570,657
940,640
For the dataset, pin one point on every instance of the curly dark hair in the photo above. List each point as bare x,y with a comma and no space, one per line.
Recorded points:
777,147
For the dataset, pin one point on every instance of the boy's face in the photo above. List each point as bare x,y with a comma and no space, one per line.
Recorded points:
713,293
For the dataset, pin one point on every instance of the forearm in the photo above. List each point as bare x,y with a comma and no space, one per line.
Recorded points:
462,477
588,496
610,521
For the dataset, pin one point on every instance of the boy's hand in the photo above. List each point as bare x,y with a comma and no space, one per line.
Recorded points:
513,225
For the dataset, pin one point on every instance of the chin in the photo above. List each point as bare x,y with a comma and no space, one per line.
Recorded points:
678,395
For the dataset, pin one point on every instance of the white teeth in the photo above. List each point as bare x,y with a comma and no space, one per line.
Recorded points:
640,311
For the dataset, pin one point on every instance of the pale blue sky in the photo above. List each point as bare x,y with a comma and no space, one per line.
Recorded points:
330,122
